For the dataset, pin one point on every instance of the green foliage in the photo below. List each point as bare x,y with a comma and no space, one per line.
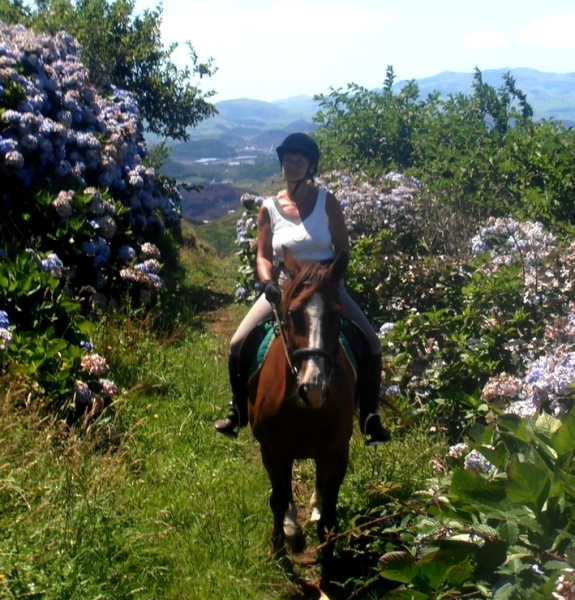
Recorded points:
481,153
365,130
507,532
47,327
454,325
127,50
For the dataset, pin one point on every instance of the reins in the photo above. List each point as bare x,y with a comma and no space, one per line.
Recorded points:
283,336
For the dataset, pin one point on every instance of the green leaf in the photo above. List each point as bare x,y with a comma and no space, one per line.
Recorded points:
397,566
404,594
564,438
509,532
526,484
547,425
477,491
505,592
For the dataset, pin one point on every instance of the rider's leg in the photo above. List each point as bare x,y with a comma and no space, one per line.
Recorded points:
369,418
238,407
369,376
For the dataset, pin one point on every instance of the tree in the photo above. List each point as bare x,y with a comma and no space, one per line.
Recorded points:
126,50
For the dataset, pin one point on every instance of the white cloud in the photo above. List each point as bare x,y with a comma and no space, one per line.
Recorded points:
485,38
550,32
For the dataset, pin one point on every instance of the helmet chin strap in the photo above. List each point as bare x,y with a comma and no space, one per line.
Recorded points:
298,182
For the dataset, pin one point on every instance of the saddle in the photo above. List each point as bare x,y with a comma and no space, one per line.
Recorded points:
257,343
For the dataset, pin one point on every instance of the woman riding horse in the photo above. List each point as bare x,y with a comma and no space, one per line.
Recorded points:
309,221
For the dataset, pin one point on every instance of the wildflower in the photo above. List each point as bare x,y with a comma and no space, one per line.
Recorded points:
7,145
385,329
82,392
52,264
391,391
87,345
89,248
5,338
475,461
62,204
241,293
458,450
150,251
108,387
14,159
149,266
94,364
157,282
565,585
126,254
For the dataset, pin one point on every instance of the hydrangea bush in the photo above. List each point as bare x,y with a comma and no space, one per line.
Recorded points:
79,204
479,335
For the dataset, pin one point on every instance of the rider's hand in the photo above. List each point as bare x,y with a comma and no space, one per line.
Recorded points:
272,291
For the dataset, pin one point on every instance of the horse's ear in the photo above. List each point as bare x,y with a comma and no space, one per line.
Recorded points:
339,267
292,265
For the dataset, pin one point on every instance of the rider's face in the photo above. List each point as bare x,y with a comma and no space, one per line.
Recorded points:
294,166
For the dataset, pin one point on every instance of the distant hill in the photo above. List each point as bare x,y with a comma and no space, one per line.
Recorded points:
550,94
197,149
241,122
213,202
246,132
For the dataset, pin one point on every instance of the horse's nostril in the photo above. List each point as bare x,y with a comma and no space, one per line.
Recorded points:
302,393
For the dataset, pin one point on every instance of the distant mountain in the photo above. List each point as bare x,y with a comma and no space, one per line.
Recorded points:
254,124
550,94
242,120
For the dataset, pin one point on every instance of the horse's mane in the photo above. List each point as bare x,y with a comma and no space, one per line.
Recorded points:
310,278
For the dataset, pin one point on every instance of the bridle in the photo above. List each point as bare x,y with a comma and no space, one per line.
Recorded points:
299,354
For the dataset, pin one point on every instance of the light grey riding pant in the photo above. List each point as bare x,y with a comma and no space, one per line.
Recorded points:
262,311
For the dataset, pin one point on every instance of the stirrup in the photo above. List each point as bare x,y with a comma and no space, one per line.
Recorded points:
374,432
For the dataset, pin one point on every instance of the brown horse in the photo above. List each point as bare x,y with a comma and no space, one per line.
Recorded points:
302,401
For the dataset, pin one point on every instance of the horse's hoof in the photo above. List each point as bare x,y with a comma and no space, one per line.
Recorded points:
296,542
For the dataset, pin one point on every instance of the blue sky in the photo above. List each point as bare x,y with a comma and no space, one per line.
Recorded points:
274,49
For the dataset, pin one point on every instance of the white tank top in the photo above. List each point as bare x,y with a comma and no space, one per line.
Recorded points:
308,239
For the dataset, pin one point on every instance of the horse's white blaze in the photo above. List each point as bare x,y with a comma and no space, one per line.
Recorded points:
290,520
313,374
316,505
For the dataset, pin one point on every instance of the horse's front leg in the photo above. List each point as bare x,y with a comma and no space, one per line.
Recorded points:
330,473
279,470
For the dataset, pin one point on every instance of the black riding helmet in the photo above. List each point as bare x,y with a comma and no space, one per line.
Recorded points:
300,143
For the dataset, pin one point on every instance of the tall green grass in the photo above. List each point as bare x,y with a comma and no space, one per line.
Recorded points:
149,502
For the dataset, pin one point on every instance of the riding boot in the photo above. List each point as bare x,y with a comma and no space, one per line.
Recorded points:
238,408
369,418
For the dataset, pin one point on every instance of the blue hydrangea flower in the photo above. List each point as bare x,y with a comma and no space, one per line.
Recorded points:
52,264
4,321
126,254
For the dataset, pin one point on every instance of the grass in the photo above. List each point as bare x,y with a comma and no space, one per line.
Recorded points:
150,503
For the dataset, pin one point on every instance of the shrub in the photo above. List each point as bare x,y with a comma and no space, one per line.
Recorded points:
81,215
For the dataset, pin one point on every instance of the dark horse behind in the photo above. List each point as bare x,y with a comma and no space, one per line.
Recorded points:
302,402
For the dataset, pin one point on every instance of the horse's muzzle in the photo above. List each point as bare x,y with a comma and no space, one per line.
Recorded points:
313,396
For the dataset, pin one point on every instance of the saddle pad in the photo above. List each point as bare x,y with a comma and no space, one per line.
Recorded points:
271,330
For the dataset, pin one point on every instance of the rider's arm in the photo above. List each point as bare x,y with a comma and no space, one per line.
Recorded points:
337,226
264,258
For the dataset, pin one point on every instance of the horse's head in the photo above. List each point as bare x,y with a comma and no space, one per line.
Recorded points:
313,310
